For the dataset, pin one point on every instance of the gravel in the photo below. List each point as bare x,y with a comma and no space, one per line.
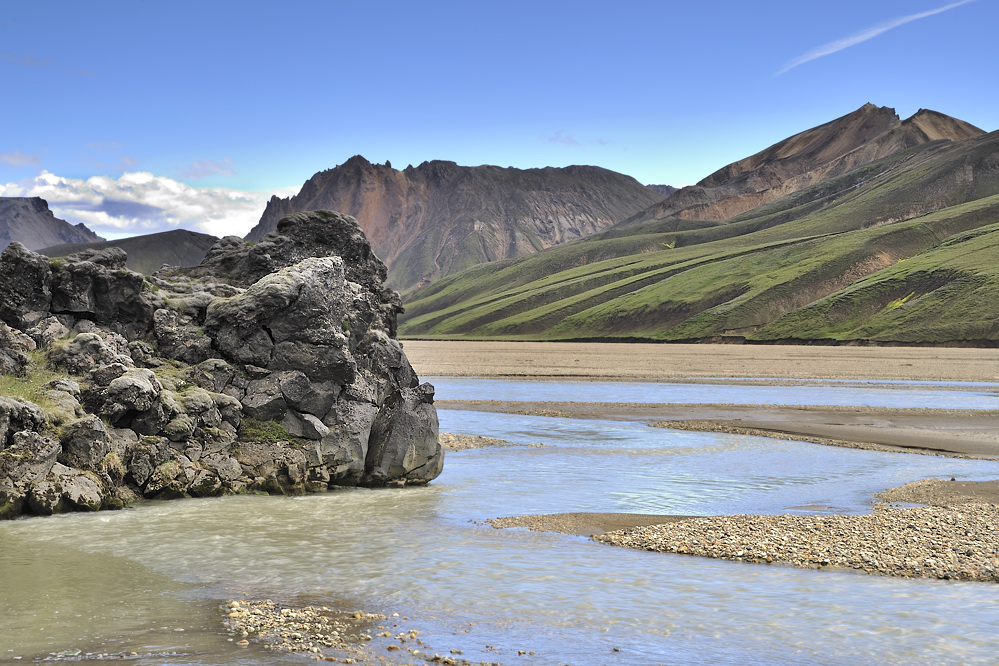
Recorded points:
325,634
453,442
955,543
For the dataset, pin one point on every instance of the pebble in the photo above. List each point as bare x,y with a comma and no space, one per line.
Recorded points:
947,542
452,442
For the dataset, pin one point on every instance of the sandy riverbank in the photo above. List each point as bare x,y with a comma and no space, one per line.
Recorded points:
960,433
682,362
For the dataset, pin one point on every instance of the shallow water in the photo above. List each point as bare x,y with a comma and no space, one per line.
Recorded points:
128,580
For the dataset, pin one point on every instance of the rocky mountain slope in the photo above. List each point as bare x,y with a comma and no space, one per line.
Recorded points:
275,372
902,249
868,134
439,218
29,221
148,253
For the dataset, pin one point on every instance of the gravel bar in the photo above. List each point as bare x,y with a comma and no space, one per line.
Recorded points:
952,543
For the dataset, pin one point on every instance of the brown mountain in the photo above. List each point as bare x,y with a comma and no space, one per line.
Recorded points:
440,218
29,221
868,134
148,253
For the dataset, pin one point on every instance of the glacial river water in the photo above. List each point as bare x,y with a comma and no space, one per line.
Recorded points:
150,579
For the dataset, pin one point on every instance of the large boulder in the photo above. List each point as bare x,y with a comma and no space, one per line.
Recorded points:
293,319
25,286
403,446
297,331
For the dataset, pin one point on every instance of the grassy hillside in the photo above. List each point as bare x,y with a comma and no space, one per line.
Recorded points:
902,250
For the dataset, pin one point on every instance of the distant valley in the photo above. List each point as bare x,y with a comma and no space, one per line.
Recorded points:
866,229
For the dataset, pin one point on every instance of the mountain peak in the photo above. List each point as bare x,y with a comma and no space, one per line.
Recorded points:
29,221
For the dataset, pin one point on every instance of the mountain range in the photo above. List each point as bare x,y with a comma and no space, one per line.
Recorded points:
868,228
29,221
438,218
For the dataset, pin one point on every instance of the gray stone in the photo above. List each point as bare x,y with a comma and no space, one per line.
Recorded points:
264,400
89,350
403,445
64,489
29,458
17,415
25,286
85,443
135,391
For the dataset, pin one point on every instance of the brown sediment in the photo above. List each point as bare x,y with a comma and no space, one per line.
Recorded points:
698,362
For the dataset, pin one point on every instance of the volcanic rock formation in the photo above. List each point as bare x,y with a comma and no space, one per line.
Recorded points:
439,218
815,155
270,367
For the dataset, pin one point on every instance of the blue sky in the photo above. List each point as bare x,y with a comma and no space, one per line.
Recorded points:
138,117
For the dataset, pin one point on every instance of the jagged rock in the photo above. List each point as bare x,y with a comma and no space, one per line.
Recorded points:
403,445
14,348
90,350
134,391
103,292
85,443
289,320
305,426
143,354
264,400
25,286
213,374
29,458
180,338
105,374
274,467
17,415
65,489
171,478
306,396
47,331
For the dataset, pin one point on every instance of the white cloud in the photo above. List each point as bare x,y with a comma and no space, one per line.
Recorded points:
17,159
864,35
142,203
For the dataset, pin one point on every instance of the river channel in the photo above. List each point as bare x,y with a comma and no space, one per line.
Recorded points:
150,579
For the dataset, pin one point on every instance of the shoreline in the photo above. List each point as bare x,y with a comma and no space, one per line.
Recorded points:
949,537
954,433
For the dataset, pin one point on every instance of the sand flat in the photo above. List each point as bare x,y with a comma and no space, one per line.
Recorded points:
964,433
673,362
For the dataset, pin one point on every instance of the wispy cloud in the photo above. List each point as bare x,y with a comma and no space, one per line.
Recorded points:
203,168
27,61
142,203
31,61
17,159
564,139
864,35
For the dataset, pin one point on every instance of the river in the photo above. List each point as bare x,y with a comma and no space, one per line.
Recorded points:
150,579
